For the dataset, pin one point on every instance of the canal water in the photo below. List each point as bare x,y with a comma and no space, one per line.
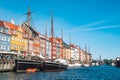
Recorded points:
83,73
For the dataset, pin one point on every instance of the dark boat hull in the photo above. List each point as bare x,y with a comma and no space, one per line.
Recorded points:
54,67
118,64
26,65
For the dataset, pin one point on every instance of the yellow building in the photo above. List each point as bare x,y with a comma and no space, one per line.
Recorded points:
18,41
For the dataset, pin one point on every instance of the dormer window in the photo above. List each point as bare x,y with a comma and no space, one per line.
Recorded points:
13,31
7,31
1,29
26,35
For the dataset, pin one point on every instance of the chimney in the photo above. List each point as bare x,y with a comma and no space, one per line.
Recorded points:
12,21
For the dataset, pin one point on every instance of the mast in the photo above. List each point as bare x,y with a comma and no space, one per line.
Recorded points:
45,38
52,27
99,57
85,53
70,47
52,35
62,34
62,43
28,16
28,21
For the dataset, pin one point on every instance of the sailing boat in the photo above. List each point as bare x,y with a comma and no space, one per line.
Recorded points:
54,65
31,63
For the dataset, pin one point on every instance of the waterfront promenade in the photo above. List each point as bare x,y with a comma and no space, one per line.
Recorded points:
6,65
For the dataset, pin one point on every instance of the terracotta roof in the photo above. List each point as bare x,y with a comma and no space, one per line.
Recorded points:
2,24
11,26
59,40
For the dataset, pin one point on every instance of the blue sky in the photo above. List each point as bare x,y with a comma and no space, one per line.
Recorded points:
92,22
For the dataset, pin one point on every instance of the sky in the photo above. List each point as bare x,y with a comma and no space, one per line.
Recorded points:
95,23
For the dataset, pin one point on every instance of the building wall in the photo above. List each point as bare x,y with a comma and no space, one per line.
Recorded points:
4,40
42,46
18,43
48,48
30,45
36,46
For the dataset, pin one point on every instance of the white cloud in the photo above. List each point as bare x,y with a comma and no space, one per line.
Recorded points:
96,28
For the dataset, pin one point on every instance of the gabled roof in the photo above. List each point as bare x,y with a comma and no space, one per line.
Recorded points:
33,30
59,39
11,26
55,41
2,24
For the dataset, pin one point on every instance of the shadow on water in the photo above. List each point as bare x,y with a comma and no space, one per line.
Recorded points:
85,73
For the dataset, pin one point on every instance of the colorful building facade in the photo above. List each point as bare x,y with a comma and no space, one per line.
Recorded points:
4,38
33,41
18,43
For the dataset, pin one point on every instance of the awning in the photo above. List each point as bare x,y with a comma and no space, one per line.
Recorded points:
61,61
5,52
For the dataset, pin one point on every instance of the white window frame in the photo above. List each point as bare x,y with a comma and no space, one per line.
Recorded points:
8,48
1,29
1,46
8,39
5,38
4,47
2,37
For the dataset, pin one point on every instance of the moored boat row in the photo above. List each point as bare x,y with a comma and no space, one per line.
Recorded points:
117,63
34,66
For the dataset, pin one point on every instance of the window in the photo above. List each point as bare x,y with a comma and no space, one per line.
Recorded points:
1,29
0,37
8,39
4,47
13,38
4,38
7,30
13,31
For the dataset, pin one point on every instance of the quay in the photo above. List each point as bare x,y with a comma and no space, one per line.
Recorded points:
6,65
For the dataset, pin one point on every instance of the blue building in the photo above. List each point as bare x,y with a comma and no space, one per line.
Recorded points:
4,38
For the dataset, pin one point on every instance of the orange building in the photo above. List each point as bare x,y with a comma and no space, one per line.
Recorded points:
42,45
60,42
55,48
33,41
36,44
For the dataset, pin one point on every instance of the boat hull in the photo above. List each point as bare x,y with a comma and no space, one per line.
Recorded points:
118,64
28,66
54,67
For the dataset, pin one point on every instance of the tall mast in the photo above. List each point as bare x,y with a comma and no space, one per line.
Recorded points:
85,48
70,47
52,27
45,38
62,34
100,57
85,53
28,21
62,43
28,16
52,35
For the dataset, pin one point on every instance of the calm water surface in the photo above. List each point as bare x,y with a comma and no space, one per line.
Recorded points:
88,73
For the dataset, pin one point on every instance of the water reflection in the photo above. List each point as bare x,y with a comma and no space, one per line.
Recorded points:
88,73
